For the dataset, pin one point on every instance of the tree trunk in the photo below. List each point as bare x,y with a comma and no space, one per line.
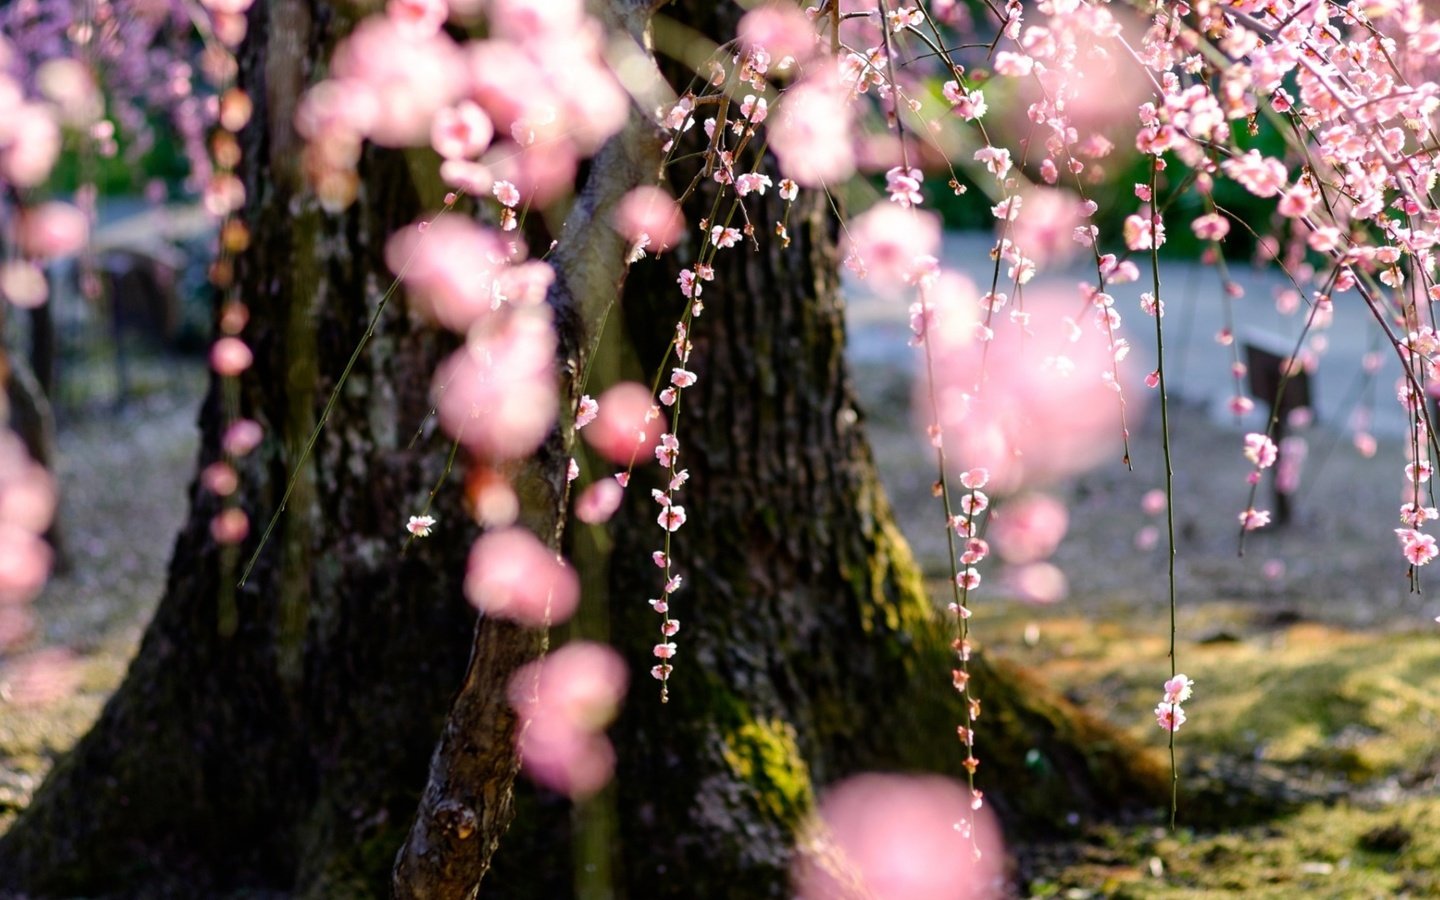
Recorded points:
808,650
276,736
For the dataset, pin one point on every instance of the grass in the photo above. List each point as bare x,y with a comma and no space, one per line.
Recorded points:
1349,716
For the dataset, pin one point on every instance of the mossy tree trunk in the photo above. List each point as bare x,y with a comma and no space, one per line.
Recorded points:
276,736
808,648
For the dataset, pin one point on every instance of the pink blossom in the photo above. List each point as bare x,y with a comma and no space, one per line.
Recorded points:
598,502
40,677
512,575
1177,689
622,432
893,241
1211,227
410,77
241,437
588,410
462,131
1154,502
1037,406
1253,519
1029,528
893,831
220,479
420,526
498,394
230,357
779,28
1260,450
903,185
1169,716
450,269
671,518
1037,582
24,564
565,701
1419,548
651,213
23,284
51,230
230,526
810,134
420,17
33,146
1260,176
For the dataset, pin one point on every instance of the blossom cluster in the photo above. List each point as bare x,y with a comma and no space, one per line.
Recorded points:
1169,714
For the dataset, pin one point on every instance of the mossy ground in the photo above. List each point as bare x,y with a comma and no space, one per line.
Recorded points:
1344,726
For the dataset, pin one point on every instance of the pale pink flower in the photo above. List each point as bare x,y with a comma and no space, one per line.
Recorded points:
23,284
1029,528
1260,450
24,564
671,517
420,526
1260,176
893,242
651,213
535,20
40,677
778,28
1178,689
1037,407
33,146
723,237
242,436
565,701
1169,716
892,831
1253,519
623,432
810,133
220,479
1037,582
498,394
512,575
1211,227
410,77
598,502
450,269
462,131
230,526
682,378
752,183
903,185
51,230
588,410
1154,502
230,357
1419,548
507,194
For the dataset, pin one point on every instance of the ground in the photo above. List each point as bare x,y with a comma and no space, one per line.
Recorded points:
1311,763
